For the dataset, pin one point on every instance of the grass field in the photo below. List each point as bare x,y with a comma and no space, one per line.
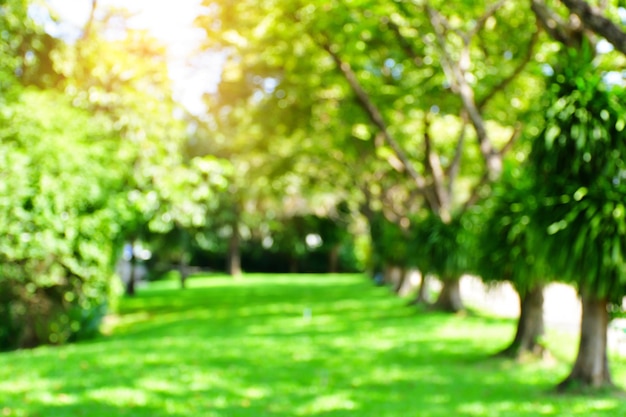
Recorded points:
291,345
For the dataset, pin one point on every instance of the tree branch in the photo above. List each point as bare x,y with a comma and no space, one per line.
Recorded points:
89,23
377,119
509,143
552,23
480,24
513,75
593,20
475,194
466,93
433,165
453,169
405,45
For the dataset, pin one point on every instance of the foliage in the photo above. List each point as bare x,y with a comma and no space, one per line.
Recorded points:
26,50
306,243
389,242
288,98
247,348
579,168
58,221
442,248
503,250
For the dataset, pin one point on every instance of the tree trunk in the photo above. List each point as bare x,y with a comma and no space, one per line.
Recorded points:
593,19
530,325
387,274
408,282
401,278
184,271
422,292
132,280
450,296
234,253
591,369
393,276
293,264
183,265
333,259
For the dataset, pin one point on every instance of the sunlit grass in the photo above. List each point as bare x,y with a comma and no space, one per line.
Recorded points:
289,345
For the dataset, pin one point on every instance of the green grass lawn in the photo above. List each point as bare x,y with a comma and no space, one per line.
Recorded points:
251,348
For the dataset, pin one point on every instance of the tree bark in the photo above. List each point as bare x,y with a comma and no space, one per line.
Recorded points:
393,276
530,325
593,20
234,253
184,271
556,27
422,292
408,285
402,284
591,369
450,296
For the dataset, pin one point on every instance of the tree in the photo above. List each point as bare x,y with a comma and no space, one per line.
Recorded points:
504,253
445,251
188,196
59,223
578,163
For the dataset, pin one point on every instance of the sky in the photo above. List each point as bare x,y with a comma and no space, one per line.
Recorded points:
172,23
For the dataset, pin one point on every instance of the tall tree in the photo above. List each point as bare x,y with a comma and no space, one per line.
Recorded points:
504,252
578,161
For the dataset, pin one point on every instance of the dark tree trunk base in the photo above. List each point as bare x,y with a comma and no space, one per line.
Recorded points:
422,292
522,350
333,259
591,369
399,276
131,285
530,327
233,267
449,299
293,265
184,274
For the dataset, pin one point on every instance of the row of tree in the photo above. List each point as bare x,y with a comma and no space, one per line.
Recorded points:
480,137
488,125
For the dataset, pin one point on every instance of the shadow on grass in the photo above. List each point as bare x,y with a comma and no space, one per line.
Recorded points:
286,346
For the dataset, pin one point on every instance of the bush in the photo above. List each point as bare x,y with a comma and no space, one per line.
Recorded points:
57,216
